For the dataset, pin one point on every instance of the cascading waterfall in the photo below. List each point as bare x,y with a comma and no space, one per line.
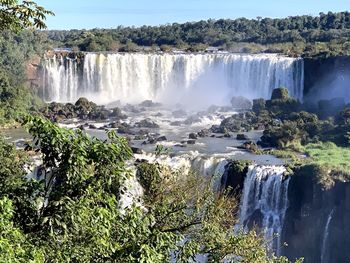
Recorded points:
173,78
324,248
264,202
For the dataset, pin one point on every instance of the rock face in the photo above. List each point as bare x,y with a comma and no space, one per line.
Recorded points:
314,68
309,210
316,220
233,177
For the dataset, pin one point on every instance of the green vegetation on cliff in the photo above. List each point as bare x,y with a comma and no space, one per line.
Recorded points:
330,155
17,52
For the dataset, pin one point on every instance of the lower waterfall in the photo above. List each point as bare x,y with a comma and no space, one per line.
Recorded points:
169,78
264,202
324,248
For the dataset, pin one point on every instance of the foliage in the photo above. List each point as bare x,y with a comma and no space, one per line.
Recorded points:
323,35
17,51
73,213
14,245
17,15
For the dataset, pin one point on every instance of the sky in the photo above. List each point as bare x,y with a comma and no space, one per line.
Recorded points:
79,14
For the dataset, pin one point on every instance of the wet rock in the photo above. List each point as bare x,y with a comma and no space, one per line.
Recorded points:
97,113
147,123
241,103
117,113
92,126
191,142
136,150
161,139
131,108
259,105
227,135
280,94
124,128
150,103
204,133
180,145
231,124
234,175
142,132
250,146
140,137
114,125
193,136
241,137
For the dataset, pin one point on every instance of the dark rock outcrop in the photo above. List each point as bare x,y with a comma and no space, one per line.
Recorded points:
147,123
82,109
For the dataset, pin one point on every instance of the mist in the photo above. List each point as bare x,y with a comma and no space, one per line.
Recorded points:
335,84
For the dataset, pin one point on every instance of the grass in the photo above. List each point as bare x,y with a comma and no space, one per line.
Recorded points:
329,155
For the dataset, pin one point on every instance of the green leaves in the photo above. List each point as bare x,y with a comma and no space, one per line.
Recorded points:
17,15
79,218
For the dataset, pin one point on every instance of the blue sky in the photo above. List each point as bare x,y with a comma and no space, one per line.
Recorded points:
87,14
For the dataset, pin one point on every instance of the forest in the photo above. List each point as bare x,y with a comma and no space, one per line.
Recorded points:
295,35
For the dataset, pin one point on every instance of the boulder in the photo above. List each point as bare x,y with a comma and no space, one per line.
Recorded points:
161,139
204,133
147,123
259,105
136,150
117,113
191,142
241,137
140,137
149,104
241,103
280,94
193,136
124,128
250,146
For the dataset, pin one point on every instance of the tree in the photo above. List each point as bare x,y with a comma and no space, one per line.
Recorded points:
17,15
78,215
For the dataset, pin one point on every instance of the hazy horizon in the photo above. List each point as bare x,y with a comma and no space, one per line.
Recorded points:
90,14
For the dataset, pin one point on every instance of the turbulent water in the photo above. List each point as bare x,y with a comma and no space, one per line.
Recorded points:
264,202
170,78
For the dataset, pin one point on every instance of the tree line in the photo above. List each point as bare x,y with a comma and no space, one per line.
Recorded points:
223,33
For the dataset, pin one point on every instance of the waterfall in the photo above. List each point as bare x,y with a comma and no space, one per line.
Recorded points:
324,249
264,201
170,78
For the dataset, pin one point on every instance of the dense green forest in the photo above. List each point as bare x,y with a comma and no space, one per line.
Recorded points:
297,35
17,49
